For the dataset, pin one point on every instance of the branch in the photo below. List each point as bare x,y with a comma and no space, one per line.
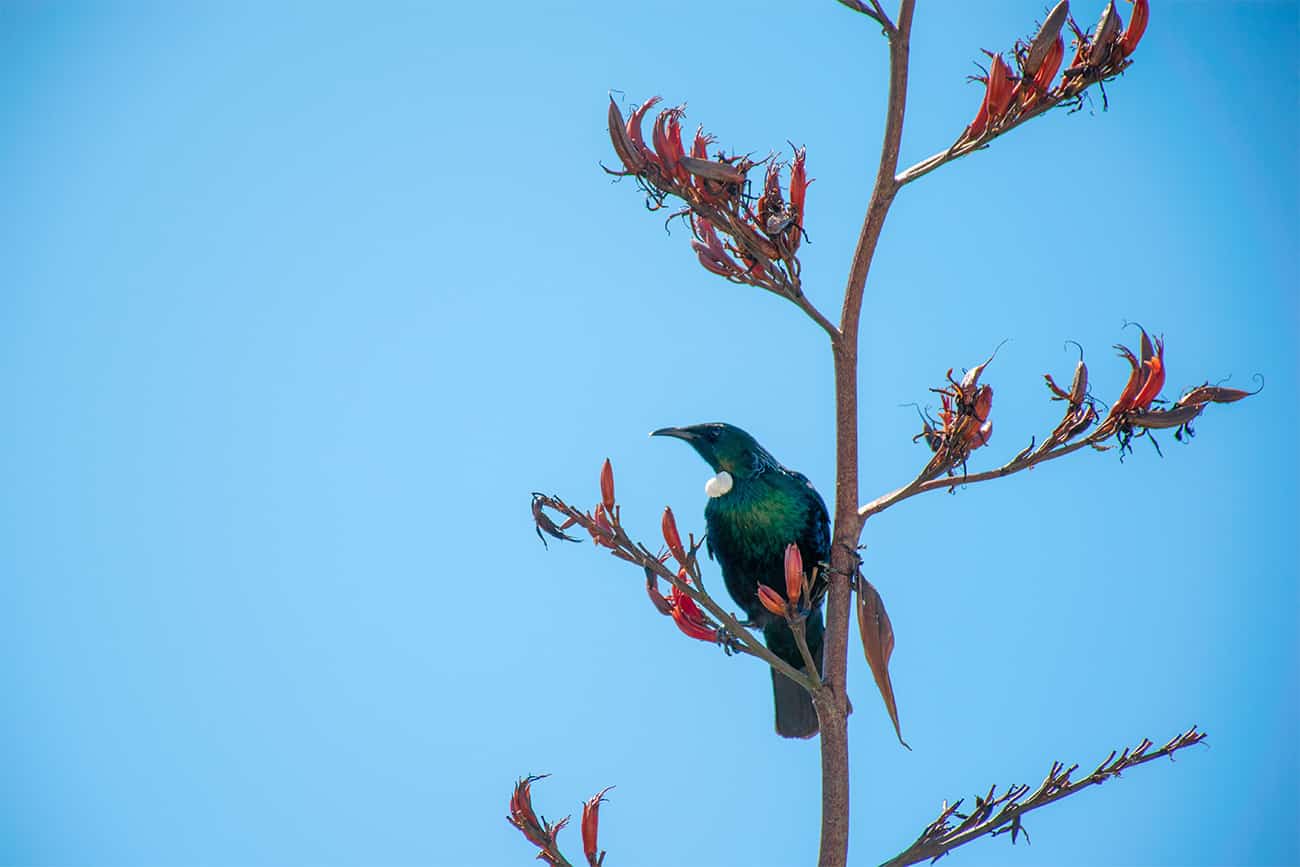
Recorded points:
886,187
875,12
606,530
923,482
764,232
961,148
847,531
801,301
966,425
999,814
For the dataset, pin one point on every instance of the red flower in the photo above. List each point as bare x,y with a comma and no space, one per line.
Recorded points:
590,827
689,618
1137,25
793,573
671,536
607,486
772,601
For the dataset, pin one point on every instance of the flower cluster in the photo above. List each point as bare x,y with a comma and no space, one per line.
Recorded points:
536,829
677,604
1010,98
743,238
792,606
1132,415
604,525
964,423
542,834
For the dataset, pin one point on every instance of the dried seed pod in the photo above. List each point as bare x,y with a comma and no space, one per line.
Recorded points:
1161,419
1216,394
1041,45
1104,37
713,170
633,162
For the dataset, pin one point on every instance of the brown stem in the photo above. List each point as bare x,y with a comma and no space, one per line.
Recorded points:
832,706
920,485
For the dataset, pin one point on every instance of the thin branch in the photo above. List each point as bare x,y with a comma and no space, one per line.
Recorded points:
875,12
999,814
799,626
613,536
801,301
923,483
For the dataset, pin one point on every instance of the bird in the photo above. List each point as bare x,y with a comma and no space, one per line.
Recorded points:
756,508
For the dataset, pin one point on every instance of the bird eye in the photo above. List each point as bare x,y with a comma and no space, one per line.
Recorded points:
713,436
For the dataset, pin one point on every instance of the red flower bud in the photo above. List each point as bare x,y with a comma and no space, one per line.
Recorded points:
1051,64
771,600
999,89
672,537
634,135
793,573
605,530
590,827
997,98
607,486
667,137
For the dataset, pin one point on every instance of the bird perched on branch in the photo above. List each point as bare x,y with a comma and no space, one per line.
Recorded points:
756,508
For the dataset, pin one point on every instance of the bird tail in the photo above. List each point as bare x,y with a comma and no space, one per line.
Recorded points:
795,715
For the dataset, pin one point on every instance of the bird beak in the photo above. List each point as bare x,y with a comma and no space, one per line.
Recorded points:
679,433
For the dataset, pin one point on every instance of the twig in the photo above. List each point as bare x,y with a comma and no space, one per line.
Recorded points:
614,537
999,814
875,12
922,483
799,627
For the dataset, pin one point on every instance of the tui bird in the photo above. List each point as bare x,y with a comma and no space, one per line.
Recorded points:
756,508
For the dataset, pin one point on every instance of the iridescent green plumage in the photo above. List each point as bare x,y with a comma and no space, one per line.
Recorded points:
765,508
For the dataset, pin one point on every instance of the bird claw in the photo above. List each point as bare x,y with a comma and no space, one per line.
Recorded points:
730,646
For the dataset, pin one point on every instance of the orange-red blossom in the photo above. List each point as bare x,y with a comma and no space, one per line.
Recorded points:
607,486
590,827
794,586
1146,377
539,832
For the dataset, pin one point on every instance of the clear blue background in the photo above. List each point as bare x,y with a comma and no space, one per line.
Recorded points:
299,301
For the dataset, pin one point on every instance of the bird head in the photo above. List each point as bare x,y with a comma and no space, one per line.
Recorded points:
724,447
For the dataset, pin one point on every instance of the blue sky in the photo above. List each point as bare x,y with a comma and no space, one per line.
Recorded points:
300,301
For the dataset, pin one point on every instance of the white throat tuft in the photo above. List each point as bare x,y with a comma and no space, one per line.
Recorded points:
718,485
